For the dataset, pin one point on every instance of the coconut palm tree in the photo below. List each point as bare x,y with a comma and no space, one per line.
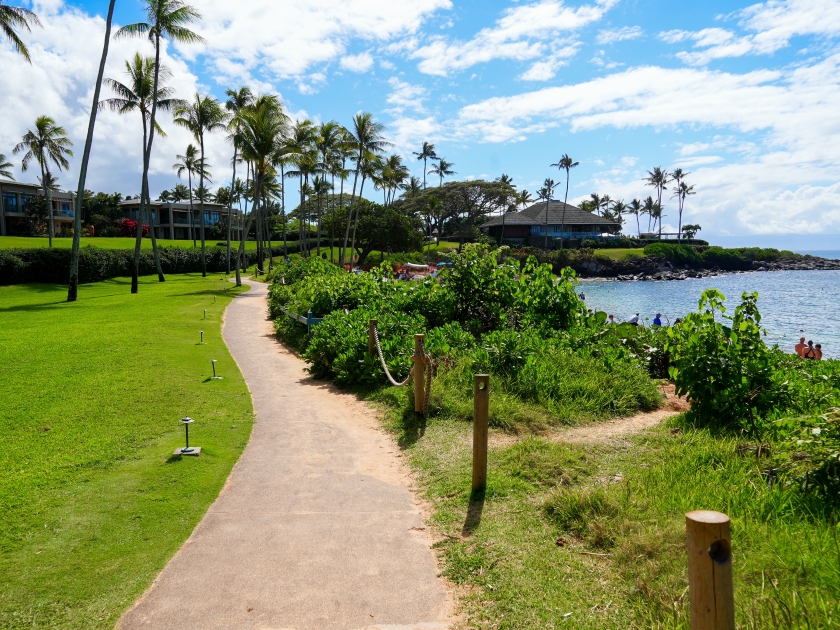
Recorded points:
523,198
302,149
443,169
426,153
166,19
565,163
237,101
413,186
5,168
73,288
648,208
545,194
47,143
635,207
678,175
366,140
320,187
137,96
191,164
371,165
17,17
204,115
617,211
262,133
681,192
179,193
658,178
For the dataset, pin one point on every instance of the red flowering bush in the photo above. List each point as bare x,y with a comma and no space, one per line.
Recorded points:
128,227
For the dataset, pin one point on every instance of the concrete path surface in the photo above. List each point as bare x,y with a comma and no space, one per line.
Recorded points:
315,529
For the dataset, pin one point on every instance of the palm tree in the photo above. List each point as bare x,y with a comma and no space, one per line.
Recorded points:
596,203
547,191
12,17
47,143
648,208
523,198
73,288
166,18
617,210
191,164
565,163
366,140
204,115
5,168
635,207
261,134
330,137
237,101
137,96
412,187
443,169
320,186
658,179
432,206
426,153
681,192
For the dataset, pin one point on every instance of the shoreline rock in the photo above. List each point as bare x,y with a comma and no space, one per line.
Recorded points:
659,269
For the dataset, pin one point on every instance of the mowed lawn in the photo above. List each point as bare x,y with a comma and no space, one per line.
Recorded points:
92,502
103,242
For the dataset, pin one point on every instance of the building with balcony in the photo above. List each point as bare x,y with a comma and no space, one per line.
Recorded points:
13,198
172,219
529,226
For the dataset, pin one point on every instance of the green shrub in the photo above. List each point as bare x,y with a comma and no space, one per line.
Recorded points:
729,259
677,254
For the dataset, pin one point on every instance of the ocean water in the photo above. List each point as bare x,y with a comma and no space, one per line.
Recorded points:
834,254
789,301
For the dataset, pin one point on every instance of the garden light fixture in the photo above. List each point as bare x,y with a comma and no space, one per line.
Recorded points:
213,363
188,450
205,313
201,339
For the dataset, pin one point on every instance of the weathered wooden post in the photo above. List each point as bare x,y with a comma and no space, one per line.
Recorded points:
481,406
709,546
419,363
371,338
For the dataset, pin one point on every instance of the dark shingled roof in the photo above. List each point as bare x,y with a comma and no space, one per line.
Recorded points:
535,215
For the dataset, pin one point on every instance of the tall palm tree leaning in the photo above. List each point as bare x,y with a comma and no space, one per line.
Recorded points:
73,288
166,18
366,139
17,17
204,115
658,178
137,96
548,190
678,175
5,168
191,164
565,163
262,130
47,143
443,169
237,101
426,153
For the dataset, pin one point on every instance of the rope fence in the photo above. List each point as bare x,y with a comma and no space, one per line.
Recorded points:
422,366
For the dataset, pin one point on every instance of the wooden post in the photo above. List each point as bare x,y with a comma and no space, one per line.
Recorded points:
371,339
419,362
481,405
709,546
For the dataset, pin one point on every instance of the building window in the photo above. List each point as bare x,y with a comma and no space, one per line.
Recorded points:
10,202
23,200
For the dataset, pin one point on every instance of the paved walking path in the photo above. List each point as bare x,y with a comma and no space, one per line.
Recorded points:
315,528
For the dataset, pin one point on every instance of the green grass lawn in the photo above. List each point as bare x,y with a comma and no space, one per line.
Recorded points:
92,502
618,254
596,531
25,242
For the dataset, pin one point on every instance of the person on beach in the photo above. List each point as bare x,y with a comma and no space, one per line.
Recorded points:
800,347
818,351
634,320
657,321
810,352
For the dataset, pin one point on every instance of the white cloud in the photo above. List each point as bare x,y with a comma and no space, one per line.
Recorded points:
610,36
522,33
405,96
772,25
357,63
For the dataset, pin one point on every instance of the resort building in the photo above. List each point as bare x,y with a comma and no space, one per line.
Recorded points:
529,226
172,219
13,198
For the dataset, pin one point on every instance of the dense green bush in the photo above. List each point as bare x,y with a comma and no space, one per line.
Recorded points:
677,254
729,259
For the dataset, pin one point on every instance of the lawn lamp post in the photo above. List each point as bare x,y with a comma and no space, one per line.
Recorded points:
205,313
201,338
188,450
213,363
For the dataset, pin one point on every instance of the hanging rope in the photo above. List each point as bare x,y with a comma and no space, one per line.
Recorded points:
427,368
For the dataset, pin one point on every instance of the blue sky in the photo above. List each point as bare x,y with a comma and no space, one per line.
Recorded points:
743,95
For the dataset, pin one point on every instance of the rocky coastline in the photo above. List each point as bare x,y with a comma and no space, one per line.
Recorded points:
658,268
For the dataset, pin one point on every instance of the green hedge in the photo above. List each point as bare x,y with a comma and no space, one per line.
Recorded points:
677,254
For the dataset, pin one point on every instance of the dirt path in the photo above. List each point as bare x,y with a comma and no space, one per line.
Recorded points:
315,529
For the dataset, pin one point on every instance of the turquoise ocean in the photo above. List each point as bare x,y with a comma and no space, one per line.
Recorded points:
789,301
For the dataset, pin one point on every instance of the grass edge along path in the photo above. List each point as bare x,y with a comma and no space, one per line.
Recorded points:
93,503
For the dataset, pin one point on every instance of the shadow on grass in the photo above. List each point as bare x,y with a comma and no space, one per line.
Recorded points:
174,459
476,507
412,427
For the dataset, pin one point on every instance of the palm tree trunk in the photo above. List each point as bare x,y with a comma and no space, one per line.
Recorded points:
638,225
230,206
318,248
138,235
563,220
356,224
155,253
283,206
248,224
192,211
201,210
545,243
73,288
48,196
343,257
502,237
